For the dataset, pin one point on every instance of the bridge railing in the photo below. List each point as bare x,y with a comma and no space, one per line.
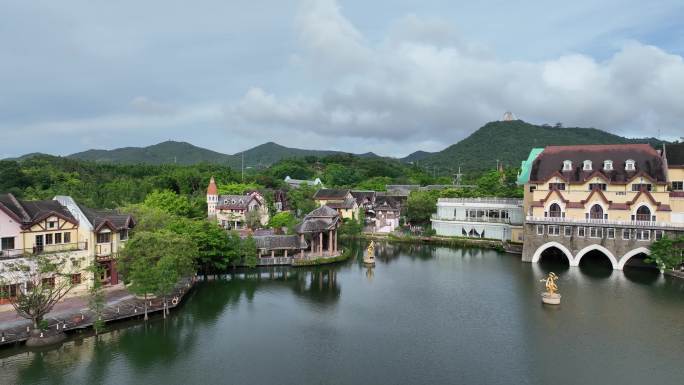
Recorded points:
607,222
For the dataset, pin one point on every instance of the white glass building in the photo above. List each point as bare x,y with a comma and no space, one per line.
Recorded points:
491,218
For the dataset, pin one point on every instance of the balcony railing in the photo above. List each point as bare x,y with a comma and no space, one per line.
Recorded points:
501,201
44,249
104,249
604,222
480,219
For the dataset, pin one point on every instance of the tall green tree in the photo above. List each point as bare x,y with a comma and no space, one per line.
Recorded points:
283,219
249,252
151,260
421,205
96,297
667,253
170,202
216,248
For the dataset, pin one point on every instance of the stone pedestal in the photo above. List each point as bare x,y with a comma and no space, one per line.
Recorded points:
551,299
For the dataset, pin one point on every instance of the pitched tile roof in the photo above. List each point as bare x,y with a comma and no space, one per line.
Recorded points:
212,189
675,154
30,212
345,204
110,218
280,242
362,196
239,202
648,162
321,219
329,193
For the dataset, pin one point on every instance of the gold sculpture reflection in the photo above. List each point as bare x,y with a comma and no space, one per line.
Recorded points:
370,273
371,249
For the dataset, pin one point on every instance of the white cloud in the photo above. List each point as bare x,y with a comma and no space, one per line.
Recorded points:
359,76
424,81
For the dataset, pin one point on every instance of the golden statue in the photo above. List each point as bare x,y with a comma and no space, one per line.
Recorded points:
369,258
551,295
551,286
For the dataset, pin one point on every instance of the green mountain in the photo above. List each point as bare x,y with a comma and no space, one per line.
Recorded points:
27,156
268,153
417,156
165,152
260,156
510,142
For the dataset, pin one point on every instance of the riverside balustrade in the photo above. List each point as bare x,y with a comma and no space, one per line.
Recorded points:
611,222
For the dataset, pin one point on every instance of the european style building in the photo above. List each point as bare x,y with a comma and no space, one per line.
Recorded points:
231,211
614,199
61,227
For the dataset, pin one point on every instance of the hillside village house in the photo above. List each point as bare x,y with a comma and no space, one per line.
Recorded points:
492,218
230,211
611,199
387,214
296,183
50,227
338,199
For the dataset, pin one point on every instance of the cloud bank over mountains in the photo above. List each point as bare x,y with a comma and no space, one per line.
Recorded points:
414,82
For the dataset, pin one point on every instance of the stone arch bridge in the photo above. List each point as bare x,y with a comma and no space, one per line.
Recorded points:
618,241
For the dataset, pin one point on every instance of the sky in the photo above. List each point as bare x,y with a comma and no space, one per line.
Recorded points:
390,77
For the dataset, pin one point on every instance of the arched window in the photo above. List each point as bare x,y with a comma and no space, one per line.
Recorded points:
596,212
643,214
555,210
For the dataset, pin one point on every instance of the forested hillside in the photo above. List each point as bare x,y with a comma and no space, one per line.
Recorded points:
171,152
510,142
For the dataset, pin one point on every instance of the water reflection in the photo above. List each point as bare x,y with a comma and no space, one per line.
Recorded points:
640,275
480,315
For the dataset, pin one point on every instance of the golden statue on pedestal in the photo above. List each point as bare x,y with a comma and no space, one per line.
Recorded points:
369,258
551,295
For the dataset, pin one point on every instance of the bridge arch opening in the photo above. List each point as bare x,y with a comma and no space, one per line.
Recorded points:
637,270
635,258
553,256
596,262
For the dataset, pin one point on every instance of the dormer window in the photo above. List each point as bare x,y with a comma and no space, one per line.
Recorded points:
629,165
567,165
586,165
608,165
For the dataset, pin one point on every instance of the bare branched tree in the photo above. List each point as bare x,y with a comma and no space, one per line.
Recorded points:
34,284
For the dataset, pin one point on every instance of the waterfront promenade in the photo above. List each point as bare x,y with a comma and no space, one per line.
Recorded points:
74,314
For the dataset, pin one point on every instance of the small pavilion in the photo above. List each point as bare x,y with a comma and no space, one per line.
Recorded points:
320,227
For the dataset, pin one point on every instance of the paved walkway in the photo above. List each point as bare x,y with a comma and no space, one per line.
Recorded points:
69,306
74,312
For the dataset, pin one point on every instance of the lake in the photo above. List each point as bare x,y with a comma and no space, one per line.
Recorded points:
423,315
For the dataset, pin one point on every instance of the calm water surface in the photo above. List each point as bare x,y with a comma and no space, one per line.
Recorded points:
426,315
